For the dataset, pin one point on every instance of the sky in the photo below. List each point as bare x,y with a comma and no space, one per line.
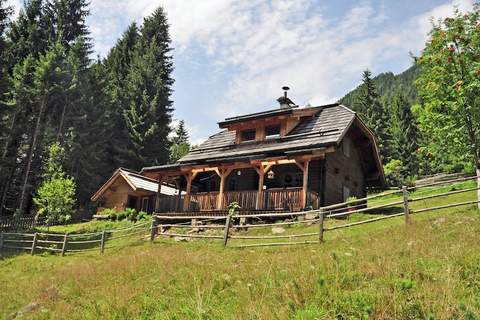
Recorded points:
232,57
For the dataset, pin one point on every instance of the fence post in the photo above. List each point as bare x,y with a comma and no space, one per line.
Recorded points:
64,245
405,205
102,242
153,229
34,243
227,228
321,217
1,243
478,185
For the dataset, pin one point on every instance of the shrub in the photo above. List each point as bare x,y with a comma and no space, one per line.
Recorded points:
107,212
396,174
131,214
113,215
55,198
121,216
142,215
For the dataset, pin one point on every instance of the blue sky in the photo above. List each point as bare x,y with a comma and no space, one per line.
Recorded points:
232,57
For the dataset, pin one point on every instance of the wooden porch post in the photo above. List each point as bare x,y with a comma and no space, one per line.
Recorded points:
304,167
223,174
261,171
305,182
220,192
179,195
189,176
157,200
261,179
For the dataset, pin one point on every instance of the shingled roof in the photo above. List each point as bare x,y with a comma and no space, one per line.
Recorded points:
327,127
135,181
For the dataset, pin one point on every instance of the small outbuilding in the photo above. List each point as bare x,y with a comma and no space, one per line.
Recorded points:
128,189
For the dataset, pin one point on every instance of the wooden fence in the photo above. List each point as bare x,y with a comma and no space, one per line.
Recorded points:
221,228
17,223
164,224
39,242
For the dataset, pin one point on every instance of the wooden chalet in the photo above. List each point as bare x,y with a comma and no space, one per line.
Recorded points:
286,159
128,189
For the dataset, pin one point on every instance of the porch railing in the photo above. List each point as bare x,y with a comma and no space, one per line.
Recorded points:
272,199
203,201
246,199
282,199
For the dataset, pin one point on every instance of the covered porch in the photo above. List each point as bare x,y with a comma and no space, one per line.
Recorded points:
263,185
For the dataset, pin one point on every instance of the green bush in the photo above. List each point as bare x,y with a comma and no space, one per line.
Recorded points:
131,214
113,215
396,174
55,198
121,216
107,212
142,215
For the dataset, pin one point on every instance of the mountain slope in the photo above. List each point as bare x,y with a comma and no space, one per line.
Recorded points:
386,84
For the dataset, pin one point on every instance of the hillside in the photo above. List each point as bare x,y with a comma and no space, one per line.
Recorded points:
386,84
384,270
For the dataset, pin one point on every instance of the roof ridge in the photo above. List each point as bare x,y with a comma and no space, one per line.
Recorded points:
138,175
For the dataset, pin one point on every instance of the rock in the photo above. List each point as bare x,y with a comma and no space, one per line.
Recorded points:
311,216
439,221
278,230
28,308
181,239
195,230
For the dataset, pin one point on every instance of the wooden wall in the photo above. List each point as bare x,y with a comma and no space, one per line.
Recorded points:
342,170
117,198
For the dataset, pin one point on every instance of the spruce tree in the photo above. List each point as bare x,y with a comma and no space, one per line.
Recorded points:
404,134
179,143
117,66
149,86
181,134
4,81
373,112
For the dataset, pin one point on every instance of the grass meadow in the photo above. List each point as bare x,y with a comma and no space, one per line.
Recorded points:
384,270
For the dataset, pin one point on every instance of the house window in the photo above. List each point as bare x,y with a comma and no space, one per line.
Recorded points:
248,135
272,132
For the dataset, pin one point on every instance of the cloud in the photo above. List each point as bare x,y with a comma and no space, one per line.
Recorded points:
297,44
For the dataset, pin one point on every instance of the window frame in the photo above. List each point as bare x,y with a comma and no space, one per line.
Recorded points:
272,136
248,131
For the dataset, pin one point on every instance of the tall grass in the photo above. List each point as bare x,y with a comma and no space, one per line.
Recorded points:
428,270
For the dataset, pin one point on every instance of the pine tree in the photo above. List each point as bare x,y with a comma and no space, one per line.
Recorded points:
5,13
48,76
181,134
117,66
68,20
374,114
180,145
404,134
149,85
30,33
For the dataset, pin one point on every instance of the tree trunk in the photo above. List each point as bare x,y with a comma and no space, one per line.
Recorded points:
4,190
62,120
33,145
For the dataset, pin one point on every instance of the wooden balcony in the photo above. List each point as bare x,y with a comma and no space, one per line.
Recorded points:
272,199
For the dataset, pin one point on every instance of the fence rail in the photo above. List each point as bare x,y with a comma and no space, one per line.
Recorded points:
64,243
402,207
163,226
